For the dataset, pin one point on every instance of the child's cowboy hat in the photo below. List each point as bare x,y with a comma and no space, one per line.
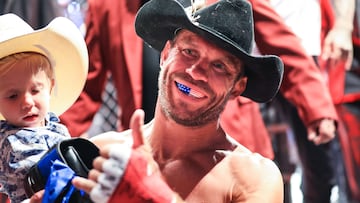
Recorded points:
227,23
61,42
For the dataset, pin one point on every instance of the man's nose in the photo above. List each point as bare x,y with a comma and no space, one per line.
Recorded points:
198,71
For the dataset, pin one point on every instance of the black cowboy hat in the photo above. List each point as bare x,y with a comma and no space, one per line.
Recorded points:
228,24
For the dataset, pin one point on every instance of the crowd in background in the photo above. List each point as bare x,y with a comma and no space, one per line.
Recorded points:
117,53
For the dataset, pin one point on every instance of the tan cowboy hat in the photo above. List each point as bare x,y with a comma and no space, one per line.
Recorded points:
61,42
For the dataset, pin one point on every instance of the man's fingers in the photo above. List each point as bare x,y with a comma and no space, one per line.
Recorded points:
98,162
327,126
83,184
94,174
136,123
311,135
322,131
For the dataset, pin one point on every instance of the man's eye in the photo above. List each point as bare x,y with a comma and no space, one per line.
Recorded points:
13,96
188,52
219,67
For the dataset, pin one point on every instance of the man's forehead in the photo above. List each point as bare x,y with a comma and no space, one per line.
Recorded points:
192,38
189,35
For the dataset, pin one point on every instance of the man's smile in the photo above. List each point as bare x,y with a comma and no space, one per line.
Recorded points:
188,91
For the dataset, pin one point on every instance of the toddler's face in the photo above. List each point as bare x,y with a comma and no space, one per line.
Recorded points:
25,96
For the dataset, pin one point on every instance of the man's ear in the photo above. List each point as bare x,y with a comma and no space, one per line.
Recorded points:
239,87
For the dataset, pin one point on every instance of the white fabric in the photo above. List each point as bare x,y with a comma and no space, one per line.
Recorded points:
304,18
113,170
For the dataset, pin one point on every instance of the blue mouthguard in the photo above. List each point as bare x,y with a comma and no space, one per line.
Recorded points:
183,88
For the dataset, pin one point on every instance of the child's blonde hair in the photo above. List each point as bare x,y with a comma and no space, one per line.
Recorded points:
36,61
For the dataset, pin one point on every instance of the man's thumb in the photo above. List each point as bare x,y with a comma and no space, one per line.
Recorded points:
136,124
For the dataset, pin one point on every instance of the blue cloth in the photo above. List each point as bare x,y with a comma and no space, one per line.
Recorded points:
59,187
59,179
21,148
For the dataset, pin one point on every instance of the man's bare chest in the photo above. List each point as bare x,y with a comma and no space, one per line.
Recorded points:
204,180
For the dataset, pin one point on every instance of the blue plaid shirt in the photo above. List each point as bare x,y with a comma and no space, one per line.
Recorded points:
21,148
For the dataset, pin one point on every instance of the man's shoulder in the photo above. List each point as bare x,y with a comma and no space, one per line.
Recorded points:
241,156
253,175
248,167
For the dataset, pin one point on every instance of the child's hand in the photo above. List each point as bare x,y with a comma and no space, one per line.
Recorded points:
36,198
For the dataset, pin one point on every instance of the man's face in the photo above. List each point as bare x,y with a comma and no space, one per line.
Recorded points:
196,80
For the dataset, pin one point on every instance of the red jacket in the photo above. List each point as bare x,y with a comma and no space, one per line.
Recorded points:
113,47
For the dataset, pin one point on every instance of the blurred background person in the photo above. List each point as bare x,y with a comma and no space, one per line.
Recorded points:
340,63
119,55
320,164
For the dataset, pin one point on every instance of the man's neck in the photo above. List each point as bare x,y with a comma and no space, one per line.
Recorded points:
170,140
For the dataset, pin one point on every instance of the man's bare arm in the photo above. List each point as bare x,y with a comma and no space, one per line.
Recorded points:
258,179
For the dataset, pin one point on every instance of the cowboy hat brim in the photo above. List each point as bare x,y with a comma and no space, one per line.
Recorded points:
158,20
63,44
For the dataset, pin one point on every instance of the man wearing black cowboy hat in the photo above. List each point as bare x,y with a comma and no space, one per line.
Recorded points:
186,155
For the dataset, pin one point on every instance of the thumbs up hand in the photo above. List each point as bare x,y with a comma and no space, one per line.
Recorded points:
126,173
